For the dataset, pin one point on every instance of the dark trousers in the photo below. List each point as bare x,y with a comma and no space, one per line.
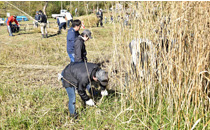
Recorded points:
100,21
62,25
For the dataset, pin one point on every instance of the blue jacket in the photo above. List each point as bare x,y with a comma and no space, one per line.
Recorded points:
37,17
71,36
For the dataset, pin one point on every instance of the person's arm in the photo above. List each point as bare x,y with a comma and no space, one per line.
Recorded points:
85,55
16,22
78,51
82,92
70,39
40,19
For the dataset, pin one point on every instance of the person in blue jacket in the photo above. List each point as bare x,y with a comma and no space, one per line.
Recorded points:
73,33
37,18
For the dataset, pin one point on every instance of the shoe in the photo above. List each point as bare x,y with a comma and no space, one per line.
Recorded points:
42,35
46,36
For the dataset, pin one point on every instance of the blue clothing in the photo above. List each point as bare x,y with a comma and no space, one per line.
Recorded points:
58,21
68,21
37,17
71,36
71,56
72,99
62,25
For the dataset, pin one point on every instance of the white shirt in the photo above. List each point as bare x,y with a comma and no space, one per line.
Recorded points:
62,20
68,16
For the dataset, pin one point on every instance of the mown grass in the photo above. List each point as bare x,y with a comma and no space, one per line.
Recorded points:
32,98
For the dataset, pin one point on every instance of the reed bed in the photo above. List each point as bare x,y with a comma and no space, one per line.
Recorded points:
175,95
171,94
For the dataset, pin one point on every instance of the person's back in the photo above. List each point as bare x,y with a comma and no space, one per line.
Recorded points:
76,77
9,22
11,19
77,72
71,37
80,50
68,16
43,18
62,20
79,47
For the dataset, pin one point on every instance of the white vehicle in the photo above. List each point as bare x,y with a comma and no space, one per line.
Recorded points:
62,13
1,21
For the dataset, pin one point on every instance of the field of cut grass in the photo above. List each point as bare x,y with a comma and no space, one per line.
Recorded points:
174,97
30,95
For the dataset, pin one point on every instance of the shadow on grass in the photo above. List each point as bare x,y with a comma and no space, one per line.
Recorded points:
25,33
52,35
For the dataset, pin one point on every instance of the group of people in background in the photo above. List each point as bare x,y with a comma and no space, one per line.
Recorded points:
62,21
40,18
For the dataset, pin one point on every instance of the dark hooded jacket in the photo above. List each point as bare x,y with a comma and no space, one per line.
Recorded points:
80,50
76,74
43,18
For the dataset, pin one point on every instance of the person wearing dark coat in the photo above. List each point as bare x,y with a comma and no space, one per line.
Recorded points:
79,46
43,21
99,15
76,76
37,18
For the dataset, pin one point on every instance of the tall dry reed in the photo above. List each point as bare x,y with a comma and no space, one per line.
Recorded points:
175,92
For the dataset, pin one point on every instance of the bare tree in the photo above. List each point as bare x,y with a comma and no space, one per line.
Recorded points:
45,7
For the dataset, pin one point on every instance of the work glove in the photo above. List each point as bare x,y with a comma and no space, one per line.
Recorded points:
90,102
59,77
104,92
18,25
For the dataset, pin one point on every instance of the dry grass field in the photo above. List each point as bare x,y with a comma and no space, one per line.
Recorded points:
174,96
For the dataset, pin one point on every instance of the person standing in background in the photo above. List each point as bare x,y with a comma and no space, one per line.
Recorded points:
99,15
43,21
37,18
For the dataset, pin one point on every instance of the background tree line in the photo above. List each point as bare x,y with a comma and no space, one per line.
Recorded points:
54,7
